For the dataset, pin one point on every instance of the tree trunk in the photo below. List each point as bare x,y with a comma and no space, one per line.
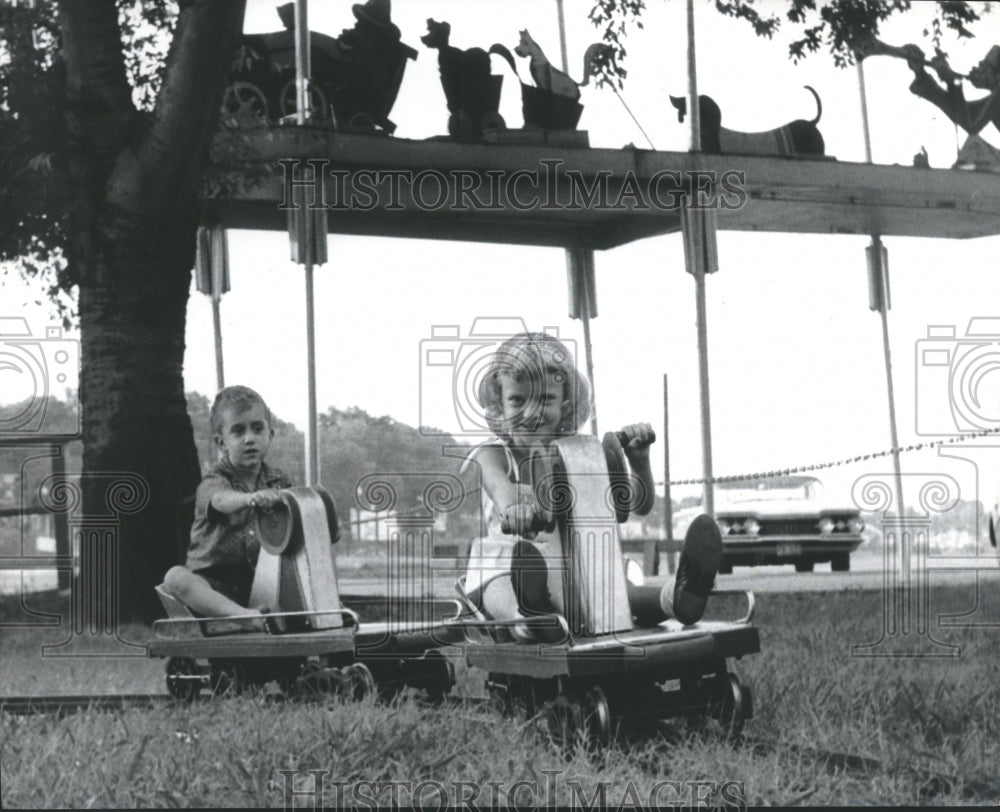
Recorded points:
132,321
131,244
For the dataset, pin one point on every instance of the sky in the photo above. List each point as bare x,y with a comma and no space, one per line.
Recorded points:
795,355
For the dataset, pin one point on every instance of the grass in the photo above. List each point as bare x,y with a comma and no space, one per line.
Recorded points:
841,730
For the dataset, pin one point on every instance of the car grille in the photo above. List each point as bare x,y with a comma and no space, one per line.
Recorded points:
806,527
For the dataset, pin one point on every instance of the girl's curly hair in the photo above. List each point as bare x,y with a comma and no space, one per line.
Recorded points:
533,356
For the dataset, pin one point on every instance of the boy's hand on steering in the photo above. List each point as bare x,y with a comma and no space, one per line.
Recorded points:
636,440
267,499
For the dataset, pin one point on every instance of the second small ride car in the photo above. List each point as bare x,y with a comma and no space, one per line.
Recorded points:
781,520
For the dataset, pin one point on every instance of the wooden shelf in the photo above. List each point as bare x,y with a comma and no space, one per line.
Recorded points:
781,195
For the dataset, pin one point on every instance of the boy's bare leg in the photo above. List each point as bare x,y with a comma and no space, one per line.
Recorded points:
197,594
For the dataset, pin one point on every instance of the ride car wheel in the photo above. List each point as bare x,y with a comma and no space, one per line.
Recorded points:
183,680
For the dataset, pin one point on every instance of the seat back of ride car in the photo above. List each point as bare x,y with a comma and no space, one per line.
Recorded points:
296,571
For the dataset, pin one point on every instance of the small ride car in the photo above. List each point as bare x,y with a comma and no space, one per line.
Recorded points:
781,520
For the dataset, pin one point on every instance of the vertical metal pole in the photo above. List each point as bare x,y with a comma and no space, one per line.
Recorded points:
587,348
562,36
587,293
694,111
668,510
864,111
312,431
220,378
303,114
303,67
703,387
699,271
881,286
897,470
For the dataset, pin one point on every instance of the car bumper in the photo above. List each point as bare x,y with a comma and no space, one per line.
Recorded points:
787,550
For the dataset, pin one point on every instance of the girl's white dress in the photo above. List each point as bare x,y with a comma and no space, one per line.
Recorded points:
488,575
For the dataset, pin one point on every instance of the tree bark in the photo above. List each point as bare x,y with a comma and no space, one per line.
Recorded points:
131,242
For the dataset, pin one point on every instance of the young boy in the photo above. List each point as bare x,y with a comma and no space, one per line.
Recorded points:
218,574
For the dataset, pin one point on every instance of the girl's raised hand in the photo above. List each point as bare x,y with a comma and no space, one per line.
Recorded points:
636,439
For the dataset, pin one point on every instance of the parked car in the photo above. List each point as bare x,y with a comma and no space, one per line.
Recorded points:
781,520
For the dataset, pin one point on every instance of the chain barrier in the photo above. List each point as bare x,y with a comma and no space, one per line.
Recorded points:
836,463
954,440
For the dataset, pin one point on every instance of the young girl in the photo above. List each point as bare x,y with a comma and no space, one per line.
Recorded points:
532,394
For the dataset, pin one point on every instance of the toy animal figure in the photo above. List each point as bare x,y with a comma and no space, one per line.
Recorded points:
474,62
796,138
553,102
543,73
471,90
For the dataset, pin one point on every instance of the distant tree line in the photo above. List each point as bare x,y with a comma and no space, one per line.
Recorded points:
354,445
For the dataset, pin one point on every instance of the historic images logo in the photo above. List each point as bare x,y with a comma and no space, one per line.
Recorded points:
305,789
31,369
454,365
958,378
548,187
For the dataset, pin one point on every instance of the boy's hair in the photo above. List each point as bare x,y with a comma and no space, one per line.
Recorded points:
239,399
533,356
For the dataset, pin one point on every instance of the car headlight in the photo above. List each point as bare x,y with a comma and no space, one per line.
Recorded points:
826,526
751,527
724,527
856,525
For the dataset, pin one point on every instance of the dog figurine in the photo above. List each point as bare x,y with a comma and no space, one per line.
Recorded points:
797,138
473,63
470,88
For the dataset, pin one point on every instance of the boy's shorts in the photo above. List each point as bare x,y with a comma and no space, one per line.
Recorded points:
233,582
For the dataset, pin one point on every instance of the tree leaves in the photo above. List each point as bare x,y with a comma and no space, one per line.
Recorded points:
837,24
34,146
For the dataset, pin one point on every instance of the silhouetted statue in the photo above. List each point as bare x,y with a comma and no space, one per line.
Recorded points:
972,115
358,73
470,88
552,103
799,138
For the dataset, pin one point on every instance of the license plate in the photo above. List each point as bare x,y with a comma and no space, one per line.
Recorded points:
789,550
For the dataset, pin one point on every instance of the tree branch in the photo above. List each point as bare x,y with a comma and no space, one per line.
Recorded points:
95,67
98,107
159,175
